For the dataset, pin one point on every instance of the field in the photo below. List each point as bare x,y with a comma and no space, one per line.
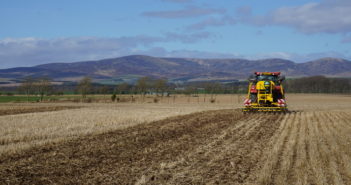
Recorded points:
184,141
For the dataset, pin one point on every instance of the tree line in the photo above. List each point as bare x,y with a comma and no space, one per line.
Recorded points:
162,87
318,84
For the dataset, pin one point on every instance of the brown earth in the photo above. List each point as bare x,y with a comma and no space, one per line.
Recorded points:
184,149
31,109
211,147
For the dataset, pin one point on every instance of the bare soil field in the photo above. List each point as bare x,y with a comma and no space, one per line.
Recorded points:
22,131
29,109
177,144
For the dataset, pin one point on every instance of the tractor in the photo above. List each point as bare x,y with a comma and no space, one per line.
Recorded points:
265,93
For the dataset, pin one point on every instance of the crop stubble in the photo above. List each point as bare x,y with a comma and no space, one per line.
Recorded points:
314,148
212,147
22,131
185,149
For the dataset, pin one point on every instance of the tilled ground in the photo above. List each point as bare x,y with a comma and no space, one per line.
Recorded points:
212,147
28,109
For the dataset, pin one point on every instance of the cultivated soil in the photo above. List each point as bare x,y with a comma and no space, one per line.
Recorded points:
214,146
307,146
27,109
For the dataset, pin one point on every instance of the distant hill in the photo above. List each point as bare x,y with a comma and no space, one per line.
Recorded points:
178,69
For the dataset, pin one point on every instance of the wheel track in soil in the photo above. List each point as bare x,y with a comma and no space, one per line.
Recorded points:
285,156
270,157
271,170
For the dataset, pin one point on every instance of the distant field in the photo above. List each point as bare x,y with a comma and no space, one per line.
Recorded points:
186,141
5,99
174,98
23,98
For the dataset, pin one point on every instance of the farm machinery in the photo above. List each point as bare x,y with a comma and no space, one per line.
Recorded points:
265,93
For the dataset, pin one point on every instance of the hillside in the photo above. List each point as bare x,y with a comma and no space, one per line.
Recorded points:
183,69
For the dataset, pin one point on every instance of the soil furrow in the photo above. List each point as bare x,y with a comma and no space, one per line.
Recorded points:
274,153
287,156
246,153
291,176
318,162
327,150
120,156
211,147
193,164
339,149
300,170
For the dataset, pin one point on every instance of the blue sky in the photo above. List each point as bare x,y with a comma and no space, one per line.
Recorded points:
43,31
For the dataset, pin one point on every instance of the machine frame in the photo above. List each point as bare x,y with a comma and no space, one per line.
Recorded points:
265,95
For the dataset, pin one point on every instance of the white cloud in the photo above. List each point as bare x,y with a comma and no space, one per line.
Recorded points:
189,38
325,17
212,21
33,51
162,52
299,57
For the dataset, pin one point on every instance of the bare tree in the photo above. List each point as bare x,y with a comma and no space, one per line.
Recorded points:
122,88
27,86
43,86
104,89
143,85
161,86
189,90
84,86
213,88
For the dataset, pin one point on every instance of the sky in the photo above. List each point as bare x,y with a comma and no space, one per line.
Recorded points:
44,31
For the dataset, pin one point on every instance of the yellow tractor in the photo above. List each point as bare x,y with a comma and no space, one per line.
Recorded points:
265,93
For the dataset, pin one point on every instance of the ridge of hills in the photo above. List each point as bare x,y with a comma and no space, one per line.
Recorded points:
178,69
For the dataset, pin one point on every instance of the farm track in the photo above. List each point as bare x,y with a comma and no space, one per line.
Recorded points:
212,147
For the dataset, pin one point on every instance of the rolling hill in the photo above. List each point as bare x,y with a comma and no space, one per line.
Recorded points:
182,69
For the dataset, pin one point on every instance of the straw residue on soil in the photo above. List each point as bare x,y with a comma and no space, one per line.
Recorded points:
185,149
211,147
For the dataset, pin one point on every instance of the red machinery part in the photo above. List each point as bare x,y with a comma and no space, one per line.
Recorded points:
253,89
267,73
247,102
281,103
